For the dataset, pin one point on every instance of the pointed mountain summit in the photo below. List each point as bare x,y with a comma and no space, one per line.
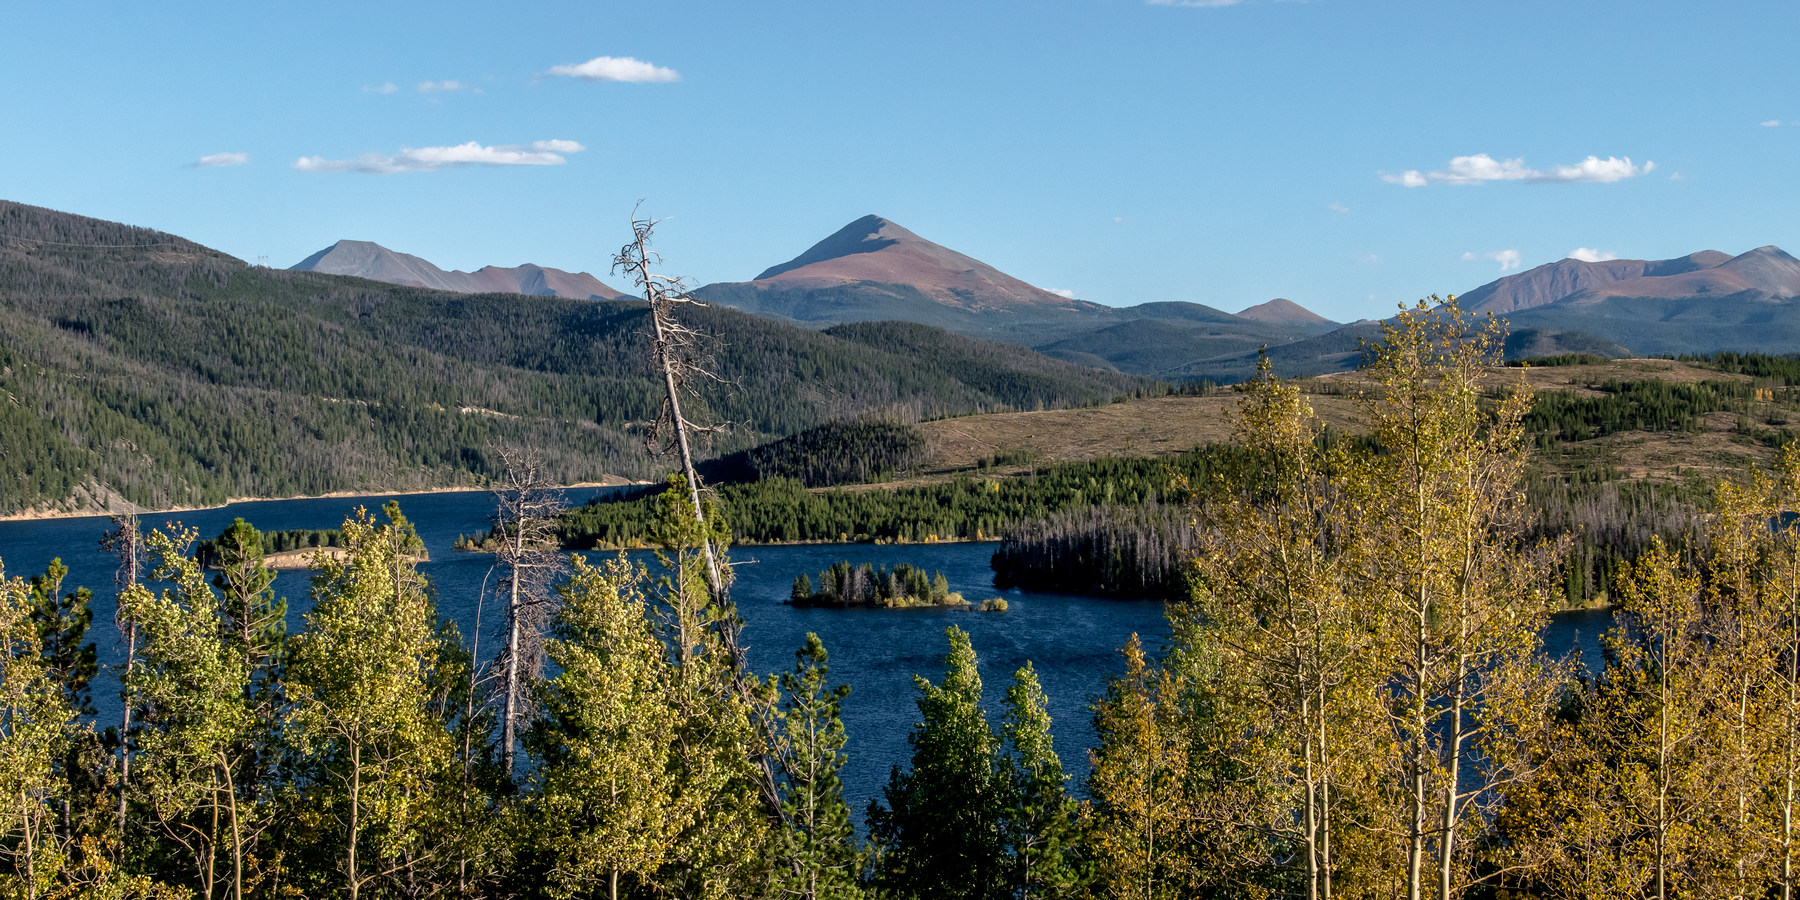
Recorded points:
1281,311
365,259
876,251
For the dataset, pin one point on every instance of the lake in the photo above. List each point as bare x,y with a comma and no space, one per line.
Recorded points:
1073,641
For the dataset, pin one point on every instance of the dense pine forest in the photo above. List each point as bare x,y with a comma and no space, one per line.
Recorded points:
1354,703
138,366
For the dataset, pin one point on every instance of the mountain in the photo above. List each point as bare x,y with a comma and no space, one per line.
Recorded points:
875,270
1704,302
364,259
139,369
1280,311
1564,279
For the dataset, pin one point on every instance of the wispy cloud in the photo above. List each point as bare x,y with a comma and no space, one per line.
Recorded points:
617,68
384,88
433,87
1772,123
220,160
1482,168
430,159
1588,254
1337,207
1508,259
1063,292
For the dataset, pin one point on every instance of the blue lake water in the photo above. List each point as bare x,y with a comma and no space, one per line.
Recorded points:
1073,641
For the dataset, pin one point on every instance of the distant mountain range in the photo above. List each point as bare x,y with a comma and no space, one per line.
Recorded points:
873,269
363,259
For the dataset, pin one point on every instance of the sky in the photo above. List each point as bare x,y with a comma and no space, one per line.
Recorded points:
1349,155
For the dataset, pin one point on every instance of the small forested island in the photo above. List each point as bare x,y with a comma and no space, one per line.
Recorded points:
868,585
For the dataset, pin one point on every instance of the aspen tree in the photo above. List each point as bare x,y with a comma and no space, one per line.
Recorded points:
719,739
603,792
35,718
1142,822
1275,603
360,680
1461,598
194,685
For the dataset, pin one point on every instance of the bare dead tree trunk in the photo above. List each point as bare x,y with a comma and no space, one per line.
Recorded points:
674,353
126,542
525,527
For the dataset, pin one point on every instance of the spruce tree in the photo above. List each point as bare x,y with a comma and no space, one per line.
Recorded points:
939,834
1041,819
816,855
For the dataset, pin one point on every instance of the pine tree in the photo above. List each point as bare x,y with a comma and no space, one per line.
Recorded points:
1041,821
816,852
939,834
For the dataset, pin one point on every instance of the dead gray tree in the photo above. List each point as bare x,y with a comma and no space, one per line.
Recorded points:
678,355
125,541
527,504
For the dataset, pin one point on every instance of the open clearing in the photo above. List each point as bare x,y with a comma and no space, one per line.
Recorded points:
1164,425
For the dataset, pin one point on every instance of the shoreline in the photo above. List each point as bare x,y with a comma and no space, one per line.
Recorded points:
33,515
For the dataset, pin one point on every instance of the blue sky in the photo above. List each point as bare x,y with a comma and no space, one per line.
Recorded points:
1121,150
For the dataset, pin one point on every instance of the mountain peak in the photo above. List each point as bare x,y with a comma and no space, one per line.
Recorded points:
367,259
868,234
877,251
1281,311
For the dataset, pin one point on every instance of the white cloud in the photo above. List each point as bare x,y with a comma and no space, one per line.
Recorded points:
220,160
1063,292
1588,254
385,88
1508,259
432,87
554,146
429,159
1771,123
1118,219
1482,168
1337,207
617,68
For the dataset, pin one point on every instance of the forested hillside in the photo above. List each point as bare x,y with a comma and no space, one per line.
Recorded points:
143,367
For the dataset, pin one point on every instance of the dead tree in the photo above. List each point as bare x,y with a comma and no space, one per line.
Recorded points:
125,541
525,535
678,355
